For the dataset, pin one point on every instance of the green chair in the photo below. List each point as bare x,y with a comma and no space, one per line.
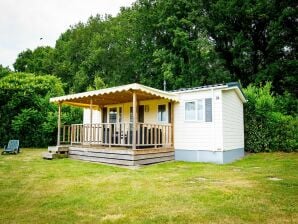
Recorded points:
12,147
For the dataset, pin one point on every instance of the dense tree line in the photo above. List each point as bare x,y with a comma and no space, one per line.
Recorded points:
185,42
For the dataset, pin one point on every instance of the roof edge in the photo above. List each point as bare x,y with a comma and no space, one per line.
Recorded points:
223,86
128,87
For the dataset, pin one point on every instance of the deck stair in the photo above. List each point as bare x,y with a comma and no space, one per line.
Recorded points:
56,152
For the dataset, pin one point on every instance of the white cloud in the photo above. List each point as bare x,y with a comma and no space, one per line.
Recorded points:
24,22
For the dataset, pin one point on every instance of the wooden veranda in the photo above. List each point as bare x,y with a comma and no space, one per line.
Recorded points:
121,140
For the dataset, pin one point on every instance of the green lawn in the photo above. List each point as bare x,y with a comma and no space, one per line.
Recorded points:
33,190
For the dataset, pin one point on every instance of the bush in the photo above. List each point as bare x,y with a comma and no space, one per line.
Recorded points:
271,122
26,113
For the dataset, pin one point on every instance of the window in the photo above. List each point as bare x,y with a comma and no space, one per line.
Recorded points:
190,111
113,115
208,110
199,110
162,116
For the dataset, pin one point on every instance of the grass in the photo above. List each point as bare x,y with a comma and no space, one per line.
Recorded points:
33,190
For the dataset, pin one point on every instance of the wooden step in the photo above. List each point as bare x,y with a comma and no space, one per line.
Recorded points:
50,155
62,149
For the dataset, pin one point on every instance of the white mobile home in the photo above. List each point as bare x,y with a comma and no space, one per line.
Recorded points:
208,124
135,124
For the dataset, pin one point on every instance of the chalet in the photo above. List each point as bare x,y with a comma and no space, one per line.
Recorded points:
136,124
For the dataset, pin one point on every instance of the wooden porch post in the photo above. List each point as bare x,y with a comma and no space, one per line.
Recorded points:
134,120
91,121
172,121
59,124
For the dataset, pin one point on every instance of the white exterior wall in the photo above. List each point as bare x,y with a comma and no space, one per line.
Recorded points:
96,116
195,135
233,127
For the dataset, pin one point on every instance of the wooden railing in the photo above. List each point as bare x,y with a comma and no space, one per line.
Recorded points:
118,134
65,134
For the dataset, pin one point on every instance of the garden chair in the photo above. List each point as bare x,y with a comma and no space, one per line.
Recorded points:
12,147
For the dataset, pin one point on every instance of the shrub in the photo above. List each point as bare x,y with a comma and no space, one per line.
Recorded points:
271,122
26,113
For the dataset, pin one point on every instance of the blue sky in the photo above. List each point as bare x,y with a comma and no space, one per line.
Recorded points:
24,22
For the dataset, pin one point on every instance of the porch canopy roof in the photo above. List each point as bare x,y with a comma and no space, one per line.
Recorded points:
114,95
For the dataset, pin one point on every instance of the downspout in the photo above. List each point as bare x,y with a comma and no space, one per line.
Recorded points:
134,120
59,124
91,120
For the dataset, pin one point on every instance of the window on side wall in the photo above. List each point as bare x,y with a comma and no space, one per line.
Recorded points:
162,115
190,111
199,110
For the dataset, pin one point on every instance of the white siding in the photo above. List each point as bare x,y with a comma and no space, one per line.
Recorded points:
233,130
190,135
96,116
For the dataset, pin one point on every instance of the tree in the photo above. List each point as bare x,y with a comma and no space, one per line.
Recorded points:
268,124
23,61
185,42
98,84
256,39
72,54
26,113
38,61
185,54
4,71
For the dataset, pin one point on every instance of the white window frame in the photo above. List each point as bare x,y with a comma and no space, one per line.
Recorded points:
166,113
190,101
196,110
118,113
